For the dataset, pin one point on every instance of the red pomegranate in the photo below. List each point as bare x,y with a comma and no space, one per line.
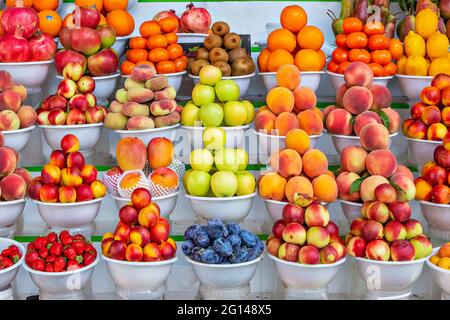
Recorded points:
13,17
195,20
43,47
167,13
14,48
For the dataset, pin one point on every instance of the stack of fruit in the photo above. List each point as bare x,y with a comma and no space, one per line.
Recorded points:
87,43
295,43
306,235
74,102
229,111
366,43
431,116
20,40
13,114
67,178
157,46
442,257
362,108
146,102
216,243
60,253
9,257
289,106
222,49
141,235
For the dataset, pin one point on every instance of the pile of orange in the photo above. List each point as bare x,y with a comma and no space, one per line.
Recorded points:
157,46
295,43
368,44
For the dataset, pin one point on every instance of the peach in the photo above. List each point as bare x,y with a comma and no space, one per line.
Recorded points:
339,121
382,97
340,94
117,250
381,162
445,116
417,109
298,140
286,162
131,154
405,171
152,252
288,76
356,247
423,189
57,117
94,115
163,107
445,141
70,143
98,189
148,217
6,81
21,90
353,159
394,119
140,236
160,152
49,193
142,73
134,253
440,194
130,83
51,174
75,116
311,122
34,188
344,182
75,159
292,212
297,185
157,83
273,245
115,106
305,99
406,185
413,228
316,215
8,161
10,100
289,252
325,188
364,208
441,81
357,100
141,198
71,177
435,175
400,211
116,121
378,250
340,249
444,251
358,74
67,194
2,139
442,157
372,230
167,250
430,95
9,120
436,131
140,123
27,116
89,174
369,185
84,193
422,246
294,233
171,119
356,226
55,102
160,232
79,101
13,187
365,118
317,237
280,100
315,163
430,115
128,214
164,177
327,111
285,122
67,88
394,231
445,97
133,109
25,174
378,211
272,186
385,193
374,136
309,255
415,129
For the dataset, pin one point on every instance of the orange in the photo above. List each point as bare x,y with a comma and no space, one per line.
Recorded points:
308,60
293,18
180,64
41,5
121,21
158,54
281,39
135,55
171,37
50,22
166,67
126,67
340,40
157,41
277,58
98,4
169,24
382,57
361,55
138,43
26,3
377,69
262,59
310,37
396,48
351,24
111,5
175,51
149,28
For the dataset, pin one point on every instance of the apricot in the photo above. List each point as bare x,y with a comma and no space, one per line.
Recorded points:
365,118
280,100
286,162
353,159
305,99
298,140
265,120
315,163
339,122
325,188
374,136
285,122
357,100
381,162
311,122
300,185
272,186
288,76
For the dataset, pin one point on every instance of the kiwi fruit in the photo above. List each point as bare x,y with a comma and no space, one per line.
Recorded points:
224,67
252,64
240,67
202,53
220,28
231,41
197,65
218,54
189,63
236,54
212,41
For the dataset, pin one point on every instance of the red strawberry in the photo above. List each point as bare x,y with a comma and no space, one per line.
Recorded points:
15,251
88,258
90,249
56,249
50,259
6,252
39,265
5,263
72,265
65,237
79,246
49,268
40,242
30,247
43,253
52,237
79,237
60,264
31,257
70,253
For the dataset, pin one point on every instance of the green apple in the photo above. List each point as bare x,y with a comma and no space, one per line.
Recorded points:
226,160
250,111
201,160
241,159
227,90
211,115
198,183
210,75
246,183
203,94
235,113
224,184
185,178
214,138
189,115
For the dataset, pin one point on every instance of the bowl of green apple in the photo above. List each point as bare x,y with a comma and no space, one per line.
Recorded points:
218,186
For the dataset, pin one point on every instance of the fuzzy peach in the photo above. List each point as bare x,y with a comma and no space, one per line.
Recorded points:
8,161
385,193
374,136
311,122
285,122
381,162
265,120
369,185
315,163
344,182
288,76
297,185
27,116
9,120
340,94
13,187
358,74
382,97
406,185
404,171
353,159
394,119
325,188
298,140
305,99
272,186
280,100
339,122
357,100
287,162
365,118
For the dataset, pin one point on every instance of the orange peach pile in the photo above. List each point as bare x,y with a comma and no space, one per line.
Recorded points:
141,234
67,178
360,104
289,106
442,257
430,117
14,181
298,170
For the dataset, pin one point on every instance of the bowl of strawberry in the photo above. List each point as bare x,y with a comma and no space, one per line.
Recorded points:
11,258
61,265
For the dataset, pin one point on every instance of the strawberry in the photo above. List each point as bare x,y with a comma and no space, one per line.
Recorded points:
15,251
52,237
79,237
5,263
56,249
65,237
49,268
43,253
60,264
88,258
39,265
50,259
79,246
40,242
90,249
6,252
31,257
30,247
72,265
70,252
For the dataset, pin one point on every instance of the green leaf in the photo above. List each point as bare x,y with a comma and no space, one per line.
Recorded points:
337,171
384,117
397,188
352,121
356,185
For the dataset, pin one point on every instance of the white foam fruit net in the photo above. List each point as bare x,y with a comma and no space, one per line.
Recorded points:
142,183
158,190
179,169
111,183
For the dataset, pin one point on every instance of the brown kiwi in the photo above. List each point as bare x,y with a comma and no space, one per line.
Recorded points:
231,41
189,63
236,54
218,54
224,67
212,41
197,65
220,28
240,67
252,64
202,53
